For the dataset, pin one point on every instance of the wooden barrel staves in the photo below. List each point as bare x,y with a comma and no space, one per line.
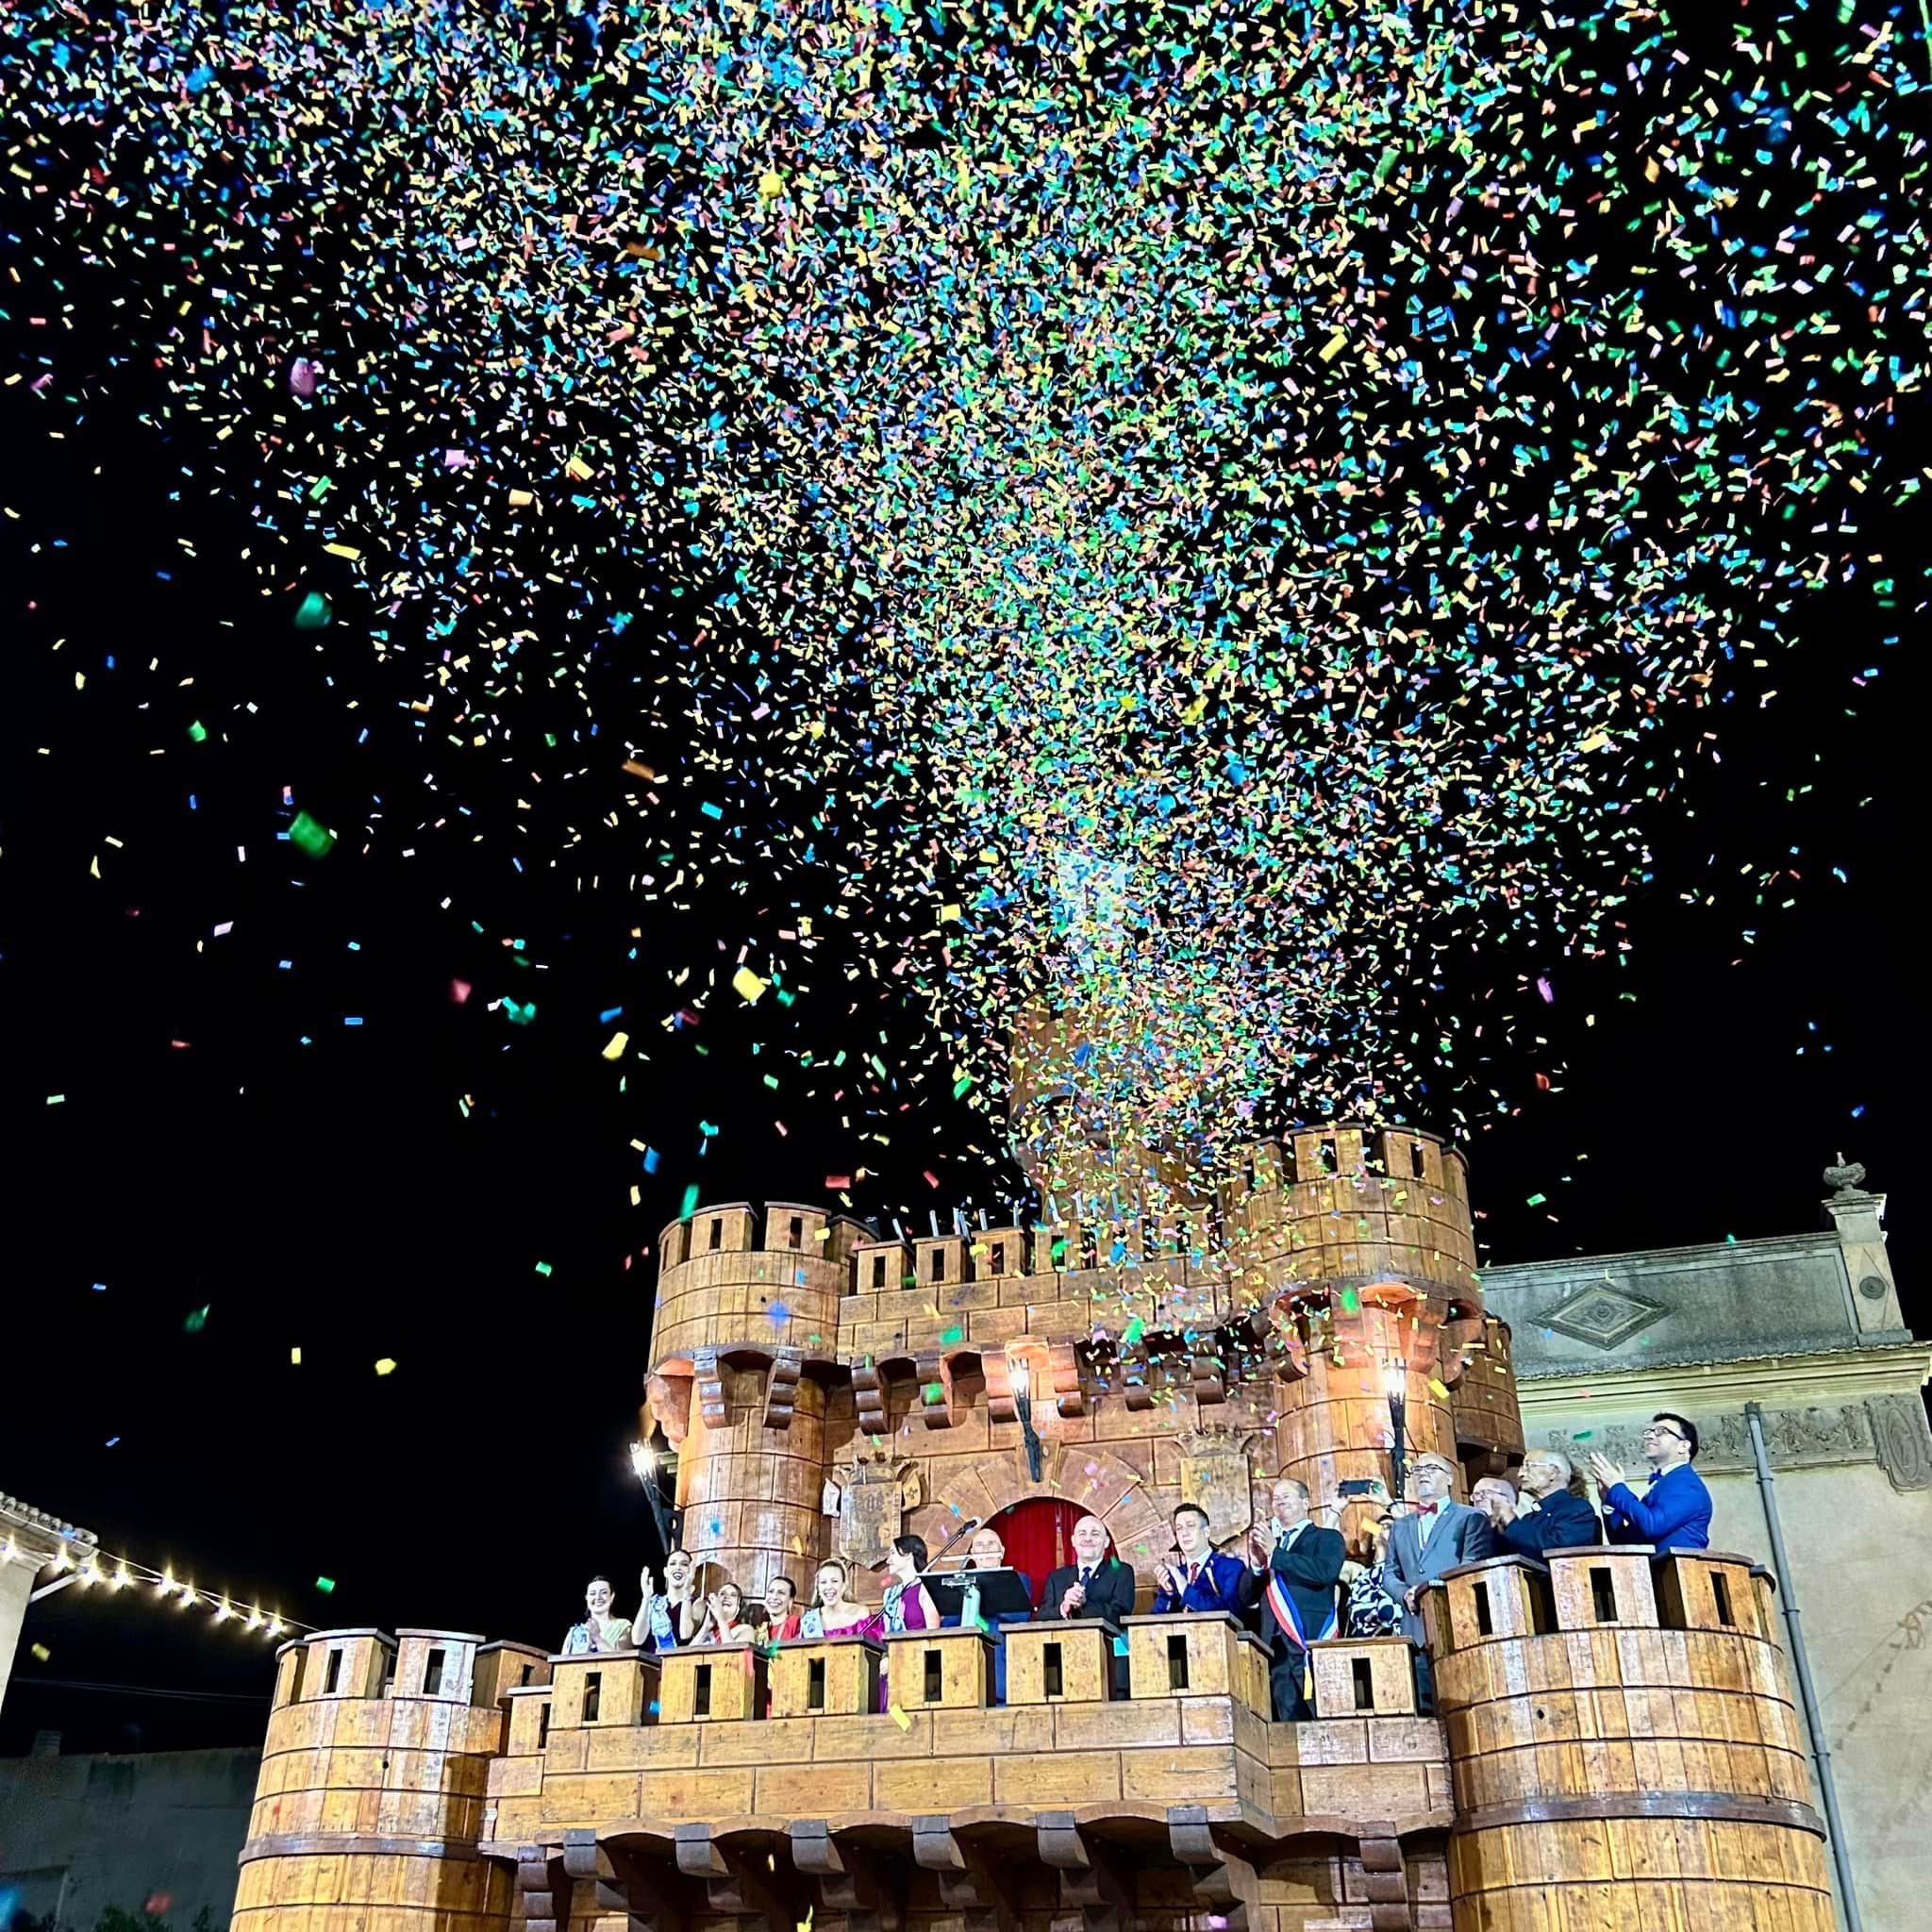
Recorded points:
369,1801
1619,1720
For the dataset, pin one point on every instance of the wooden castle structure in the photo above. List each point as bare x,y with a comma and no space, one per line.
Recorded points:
1615,1743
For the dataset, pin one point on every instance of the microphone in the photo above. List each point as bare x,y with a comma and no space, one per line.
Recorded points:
965,1529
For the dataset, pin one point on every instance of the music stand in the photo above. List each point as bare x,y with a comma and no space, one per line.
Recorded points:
1003,1593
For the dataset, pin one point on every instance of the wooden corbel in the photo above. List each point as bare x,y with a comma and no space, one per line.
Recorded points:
1386,1885
998,1370
869,1394
1223,1881
935,1369
968,1882
1211,1380
542,1890
708,1380
868,1890
650,1901
1063,1372
781,1388
1090,1879
738,1883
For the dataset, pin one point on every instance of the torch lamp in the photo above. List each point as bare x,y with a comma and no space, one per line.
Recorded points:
1020,1377
646,1461
1395,1380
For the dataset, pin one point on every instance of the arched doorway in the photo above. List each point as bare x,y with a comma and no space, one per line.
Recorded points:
1038,1532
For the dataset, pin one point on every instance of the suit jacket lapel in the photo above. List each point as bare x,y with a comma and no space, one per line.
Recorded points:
1436,1522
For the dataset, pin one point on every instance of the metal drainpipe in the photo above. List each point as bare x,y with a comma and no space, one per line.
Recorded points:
1808,1690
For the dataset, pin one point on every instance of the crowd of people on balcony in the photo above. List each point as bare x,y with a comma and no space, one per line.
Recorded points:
1292,1581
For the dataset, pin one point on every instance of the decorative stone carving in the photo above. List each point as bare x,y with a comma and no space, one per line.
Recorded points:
1216,1474
1875,1288
1903,1442
1604,1316
878,1492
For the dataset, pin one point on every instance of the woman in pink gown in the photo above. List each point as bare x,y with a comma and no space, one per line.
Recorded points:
908,1604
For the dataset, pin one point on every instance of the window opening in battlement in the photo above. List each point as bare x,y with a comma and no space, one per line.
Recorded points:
1176,1662
544,1723
1720,1600
593,1695
795,1233
432,1671
878,1271
1052,1670
1485,1623
815,1684
701,1693
388,1672
939,1264
717,1240
999,1257
1418,1162
1364,1676
1329,1163
935,1677
1603,1596
334,1677
523,1677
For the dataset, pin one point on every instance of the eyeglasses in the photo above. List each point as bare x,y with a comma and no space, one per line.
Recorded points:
1673,1435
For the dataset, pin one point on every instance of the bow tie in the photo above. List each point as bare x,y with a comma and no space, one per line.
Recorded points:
1428,1508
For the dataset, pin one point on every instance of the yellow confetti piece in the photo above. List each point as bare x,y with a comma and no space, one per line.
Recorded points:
387,1366
294,1358
747,985
347,550
615,1049
899,1718
1438,1391
1334,346
770,184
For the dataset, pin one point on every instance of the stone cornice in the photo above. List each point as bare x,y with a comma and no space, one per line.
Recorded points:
30,1536
1834,1376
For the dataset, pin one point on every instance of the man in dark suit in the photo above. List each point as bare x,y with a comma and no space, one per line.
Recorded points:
1093,1585
1439,1534
1550,1516
1197,1577
1294,1574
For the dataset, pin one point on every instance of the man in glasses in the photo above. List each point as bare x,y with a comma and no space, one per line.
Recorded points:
1549,1517
1673,1512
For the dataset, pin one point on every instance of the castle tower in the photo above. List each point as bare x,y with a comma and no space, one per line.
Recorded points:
1624,1746
370,1801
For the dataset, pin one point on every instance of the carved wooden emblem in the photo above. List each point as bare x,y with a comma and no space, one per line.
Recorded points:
871,1509
1215,1475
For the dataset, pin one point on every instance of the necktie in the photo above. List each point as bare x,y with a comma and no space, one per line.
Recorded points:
1086,1576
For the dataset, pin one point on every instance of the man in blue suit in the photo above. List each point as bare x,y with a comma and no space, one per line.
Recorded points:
1550,1516
1197,1577
1673,1512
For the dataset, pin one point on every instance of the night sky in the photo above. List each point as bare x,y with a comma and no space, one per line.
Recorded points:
392,1188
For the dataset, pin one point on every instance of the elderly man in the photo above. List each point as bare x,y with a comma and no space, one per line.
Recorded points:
988,1551
1496,1498
1550,1516
1673,1512
1293,1569
1197,1577
1440,1534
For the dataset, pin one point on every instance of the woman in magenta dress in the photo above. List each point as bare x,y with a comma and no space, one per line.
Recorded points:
908,1604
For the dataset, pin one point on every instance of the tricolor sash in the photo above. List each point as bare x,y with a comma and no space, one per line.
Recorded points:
1289,1620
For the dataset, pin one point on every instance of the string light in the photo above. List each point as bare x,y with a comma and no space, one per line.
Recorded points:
119,1572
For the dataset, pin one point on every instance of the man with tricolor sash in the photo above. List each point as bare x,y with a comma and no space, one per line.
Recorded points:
1294,1575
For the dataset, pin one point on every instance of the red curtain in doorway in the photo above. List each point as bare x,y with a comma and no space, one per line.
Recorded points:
1039,1535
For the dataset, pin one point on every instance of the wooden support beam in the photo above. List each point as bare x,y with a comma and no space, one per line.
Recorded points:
709,1382
1137,1377
652,1900
744,1884
968,1882
1224,1882
1211,1380
1063,1369
871,1891
781,1388
935,1370
542,1890
1090,1878
998,1372
869,1393
1386,1884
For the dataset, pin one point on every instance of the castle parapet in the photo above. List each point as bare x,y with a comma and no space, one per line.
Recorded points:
1605,1687
373,1780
